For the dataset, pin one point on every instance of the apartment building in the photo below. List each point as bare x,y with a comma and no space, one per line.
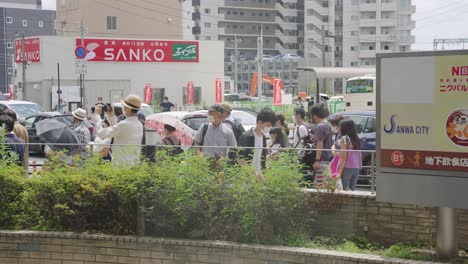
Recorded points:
121,18
19,17
354,31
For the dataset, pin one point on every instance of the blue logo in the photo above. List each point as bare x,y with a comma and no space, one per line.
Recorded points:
395,128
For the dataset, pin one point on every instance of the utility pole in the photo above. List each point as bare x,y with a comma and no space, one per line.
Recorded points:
236,89
259,69
82,75
24,62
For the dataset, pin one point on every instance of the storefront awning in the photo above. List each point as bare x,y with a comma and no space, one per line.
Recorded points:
337,73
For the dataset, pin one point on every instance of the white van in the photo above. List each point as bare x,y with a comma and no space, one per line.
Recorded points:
22,109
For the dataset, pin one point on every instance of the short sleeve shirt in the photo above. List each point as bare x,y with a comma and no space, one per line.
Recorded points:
323,133
216,141
166,106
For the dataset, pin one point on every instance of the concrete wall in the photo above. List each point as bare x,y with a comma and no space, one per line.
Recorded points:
101,76
386,222
67,248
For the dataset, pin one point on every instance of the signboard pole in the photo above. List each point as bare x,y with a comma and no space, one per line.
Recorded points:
447,246
82,75
23,62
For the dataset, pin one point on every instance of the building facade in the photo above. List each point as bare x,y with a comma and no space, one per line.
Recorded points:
353,32
18,18
116,18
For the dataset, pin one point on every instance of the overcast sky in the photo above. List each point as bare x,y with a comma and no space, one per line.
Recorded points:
434,18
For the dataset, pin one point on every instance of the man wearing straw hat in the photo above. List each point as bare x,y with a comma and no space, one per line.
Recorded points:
127,134
82,131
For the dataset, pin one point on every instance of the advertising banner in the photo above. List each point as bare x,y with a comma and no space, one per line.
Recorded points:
148,93
32,48
190,93
426,127
277,92
127,50
219,91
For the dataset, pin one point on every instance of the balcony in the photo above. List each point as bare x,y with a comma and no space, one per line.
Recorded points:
367,53
408,10
368,7
196,30
196,2
389,6
196,16
406,40
387,23
407,25
367,37
367,22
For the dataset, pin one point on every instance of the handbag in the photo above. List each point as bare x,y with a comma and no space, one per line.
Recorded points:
334,165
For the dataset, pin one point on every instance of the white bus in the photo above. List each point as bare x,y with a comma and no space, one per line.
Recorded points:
360,93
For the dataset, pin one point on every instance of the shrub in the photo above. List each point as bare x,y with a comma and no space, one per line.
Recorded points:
12,183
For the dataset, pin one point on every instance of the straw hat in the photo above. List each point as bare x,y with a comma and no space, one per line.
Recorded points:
80,114
132,101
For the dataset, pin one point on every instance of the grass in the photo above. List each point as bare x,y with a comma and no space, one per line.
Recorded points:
363,246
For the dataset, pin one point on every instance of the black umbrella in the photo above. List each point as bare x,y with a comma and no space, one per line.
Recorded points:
52,131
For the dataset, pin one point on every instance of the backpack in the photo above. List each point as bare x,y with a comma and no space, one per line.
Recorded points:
205,129
176,150
309,145
237,128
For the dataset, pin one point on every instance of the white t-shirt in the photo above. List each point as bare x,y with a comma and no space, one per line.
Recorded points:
257,158
298,143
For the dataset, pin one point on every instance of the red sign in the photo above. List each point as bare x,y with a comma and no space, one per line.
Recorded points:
32,49
11,91
127,50
424,160
148,93
277,95
460,71
190,93
219,91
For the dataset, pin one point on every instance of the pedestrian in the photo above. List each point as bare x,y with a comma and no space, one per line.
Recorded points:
281,122
103,146
148,151
99,101
173,145
350,158
255,140
95,117
109,114
277,141
15,145
335,124
166,106
302,140
231,122
214,138
61,106
82,131
128,134
322,136
21,132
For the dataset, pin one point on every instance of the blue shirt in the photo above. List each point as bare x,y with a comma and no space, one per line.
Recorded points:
15,145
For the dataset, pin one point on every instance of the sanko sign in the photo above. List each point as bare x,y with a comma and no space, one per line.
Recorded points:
126,50
32,50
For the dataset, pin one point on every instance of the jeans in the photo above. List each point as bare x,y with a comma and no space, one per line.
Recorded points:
349,178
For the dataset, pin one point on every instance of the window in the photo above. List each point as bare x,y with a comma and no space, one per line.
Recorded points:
10,70
371,47
404,3
354,63
111,22
386,47
9,20
354,18
353,33
207,38
234,13
25,23
207,10
10,45
260,14
41,23
267,14
228,12
370,126
207,25
241,13
325,19
353,48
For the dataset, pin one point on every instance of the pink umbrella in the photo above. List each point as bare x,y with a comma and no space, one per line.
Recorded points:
183,132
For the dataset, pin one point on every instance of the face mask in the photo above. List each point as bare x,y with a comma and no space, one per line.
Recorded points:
335,130
266,130
294,119
210,119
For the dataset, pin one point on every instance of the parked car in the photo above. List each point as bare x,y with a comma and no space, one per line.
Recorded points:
22,109
197,118
30,124
291,57
176,114
365,123
145,109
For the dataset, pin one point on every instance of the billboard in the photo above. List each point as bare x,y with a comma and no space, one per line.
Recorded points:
422,137
218,91
32,49
190,93
128,50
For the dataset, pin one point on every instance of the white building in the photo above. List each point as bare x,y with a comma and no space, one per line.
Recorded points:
355,30
116,68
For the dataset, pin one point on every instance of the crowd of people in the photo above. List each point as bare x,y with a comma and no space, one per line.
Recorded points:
119,136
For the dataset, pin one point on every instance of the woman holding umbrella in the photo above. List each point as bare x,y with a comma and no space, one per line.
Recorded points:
171,140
